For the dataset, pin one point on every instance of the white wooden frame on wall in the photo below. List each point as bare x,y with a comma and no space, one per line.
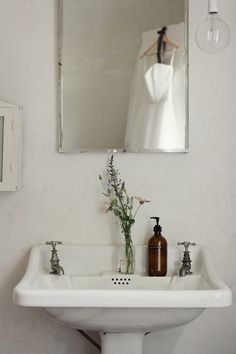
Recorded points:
10,147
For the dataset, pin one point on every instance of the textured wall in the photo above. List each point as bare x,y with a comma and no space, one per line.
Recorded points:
61,197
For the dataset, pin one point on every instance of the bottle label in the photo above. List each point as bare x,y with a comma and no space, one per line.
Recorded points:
155,247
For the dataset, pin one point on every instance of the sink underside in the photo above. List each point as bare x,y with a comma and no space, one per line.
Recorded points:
123,319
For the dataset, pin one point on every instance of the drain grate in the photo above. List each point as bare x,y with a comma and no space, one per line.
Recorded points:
120,280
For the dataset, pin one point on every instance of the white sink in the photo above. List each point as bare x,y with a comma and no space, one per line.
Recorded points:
92,296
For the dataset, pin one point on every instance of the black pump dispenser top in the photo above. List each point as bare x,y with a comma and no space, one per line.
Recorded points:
157,228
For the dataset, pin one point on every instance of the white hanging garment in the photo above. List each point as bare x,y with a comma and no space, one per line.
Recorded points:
158,80
151,122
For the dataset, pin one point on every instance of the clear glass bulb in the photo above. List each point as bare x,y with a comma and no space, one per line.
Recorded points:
213,34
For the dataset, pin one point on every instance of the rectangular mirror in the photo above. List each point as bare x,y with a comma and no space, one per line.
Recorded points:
123,80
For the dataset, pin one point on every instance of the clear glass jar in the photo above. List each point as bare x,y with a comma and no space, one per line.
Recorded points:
127,259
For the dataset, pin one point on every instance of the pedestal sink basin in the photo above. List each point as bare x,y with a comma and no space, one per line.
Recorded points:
93,296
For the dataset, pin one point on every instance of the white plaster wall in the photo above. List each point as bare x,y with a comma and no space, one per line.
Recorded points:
61,197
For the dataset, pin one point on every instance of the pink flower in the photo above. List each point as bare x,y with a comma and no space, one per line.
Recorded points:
142,200
107,207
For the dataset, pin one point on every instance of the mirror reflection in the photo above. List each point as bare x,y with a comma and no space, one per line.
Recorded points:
123,75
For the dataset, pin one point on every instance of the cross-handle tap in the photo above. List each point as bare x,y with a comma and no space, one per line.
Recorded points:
55,261
186,261
186,244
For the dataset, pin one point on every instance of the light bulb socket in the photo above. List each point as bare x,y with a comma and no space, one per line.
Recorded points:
212,7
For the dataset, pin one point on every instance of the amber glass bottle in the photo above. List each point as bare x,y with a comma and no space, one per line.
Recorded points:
157,252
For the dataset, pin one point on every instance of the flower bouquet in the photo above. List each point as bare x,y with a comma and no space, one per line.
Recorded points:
123,207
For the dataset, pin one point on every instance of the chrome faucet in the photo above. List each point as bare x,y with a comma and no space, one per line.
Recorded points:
55,261
186,261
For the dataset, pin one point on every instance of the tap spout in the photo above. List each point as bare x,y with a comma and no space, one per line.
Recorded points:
57,269
185,270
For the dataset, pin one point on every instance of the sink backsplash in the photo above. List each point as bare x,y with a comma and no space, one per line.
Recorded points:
98,259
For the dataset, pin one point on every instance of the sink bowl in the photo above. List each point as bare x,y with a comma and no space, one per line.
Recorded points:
93,296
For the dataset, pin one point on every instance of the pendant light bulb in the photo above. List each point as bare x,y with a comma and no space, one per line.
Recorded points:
213,34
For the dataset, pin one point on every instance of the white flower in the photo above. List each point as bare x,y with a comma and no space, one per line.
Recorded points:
142,200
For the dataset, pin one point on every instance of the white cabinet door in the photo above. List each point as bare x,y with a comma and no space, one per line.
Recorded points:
10,146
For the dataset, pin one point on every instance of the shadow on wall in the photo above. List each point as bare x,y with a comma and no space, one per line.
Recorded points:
165,341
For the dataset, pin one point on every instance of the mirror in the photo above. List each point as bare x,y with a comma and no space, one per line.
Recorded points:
10,146
123,81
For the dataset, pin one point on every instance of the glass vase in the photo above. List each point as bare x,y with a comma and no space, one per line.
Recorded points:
127,259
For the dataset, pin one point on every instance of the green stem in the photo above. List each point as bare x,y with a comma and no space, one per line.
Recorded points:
129,258
137,210
119,197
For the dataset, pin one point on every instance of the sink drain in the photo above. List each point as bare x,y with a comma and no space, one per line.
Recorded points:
120,280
